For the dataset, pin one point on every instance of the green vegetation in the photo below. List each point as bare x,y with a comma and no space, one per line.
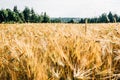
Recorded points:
25,16
104,18
29,16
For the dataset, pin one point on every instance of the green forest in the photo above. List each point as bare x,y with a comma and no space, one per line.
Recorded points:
30,16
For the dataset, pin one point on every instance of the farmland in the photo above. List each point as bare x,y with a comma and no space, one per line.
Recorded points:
59,51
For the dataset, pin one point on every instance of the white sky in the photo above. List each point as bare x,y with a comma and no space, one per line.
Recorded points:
66,8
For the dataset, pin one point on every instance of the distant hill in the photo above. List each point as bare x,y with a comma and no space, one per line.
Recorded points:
67,19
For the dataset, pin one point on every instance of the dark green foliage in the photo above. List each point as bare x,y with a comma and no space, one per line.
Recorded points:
15,9
22,19
11,15
116,17
110,16
82,20
46,18
103,18
33,16
71,21
3,15
57,20
119,19
27,15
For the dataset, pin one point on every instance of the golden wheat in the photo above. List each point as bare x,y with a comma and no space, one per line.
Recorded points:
59,51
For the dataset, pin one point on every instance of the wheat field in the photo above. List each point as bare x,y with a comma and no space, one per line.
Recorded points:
60,51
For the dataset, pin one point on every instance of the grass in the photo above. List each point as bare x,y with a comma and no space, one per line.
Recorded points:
59,52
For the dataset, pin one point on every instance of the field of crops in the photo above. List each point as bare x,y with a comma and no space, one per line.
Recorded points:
59,51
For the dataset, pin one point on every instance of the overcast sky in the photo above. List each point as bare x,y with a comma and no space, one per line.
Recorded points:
66,8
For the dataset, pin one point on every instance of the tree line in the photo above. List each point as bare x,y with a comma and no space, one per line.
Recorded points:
29,16
104,18
25,16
